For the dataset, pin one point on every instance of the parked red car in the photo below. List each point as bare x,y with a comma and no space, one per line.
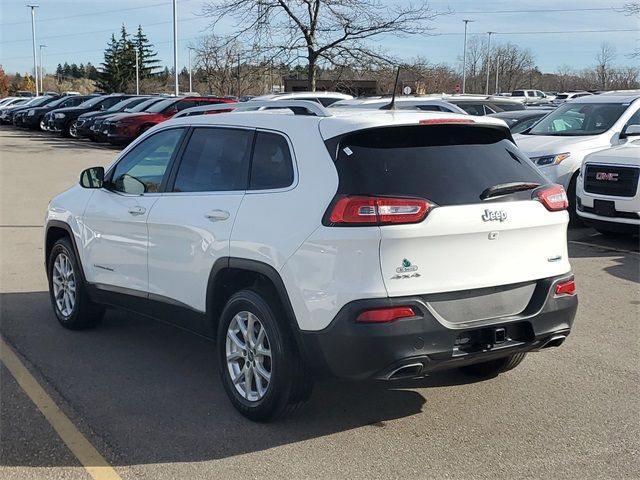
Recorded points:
125,127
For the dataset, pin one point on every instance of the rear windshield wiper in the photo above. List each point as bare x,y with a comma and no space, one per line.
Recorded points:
506,188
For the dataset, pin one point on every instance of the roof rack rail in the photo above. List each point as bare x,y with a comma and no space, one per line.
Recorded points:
298,107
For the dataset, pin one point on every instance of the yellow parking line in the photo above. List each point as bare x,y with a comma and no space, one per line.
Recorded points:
91,460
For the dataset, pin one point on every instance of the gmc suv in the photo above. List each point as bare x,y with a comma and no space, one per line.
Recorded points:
360,244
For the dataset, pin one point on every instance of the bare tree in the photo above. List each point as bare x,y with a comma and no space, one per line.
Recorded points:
331,32
227,69
604,59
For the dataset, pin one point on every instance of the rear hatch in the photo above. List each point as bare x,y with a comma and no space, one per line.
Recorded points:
484,244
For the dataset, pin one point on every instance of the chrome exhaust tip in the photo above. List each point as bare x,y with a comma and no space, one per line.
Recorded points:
554,341
411,370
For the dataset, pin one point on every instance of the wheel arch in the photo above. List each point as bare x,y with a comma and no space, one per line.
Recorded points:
229,275
55,230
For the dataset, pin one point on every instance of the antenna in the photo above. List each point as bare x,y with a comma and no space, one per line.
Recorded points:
392,105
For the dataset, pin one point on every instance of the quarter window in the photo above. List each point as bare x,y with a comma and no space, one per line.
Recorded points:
215,160
143,168
272,166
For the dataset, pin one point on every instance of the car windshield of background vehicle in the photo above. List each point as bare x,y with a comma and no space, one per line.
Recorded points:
574,120
118,106
160,106
57,102
39,101
91,102
141,107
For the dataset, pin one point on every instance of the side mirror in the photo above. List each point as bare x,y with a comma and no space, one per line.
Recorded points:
92,177
631,131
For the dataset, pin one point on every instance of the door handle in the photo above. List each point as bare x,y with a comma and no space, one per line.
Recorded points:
217,215
137,210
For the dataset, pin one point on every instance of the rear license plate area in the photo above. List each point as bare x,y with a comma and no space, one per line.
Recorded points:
484,339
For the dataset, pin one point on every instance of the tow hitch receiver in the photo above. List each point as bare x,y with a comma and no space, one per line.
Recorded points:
499,335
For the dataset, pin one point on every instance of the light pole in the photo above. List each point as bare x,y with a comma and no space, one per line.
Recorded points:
464,57
33,36
137,73
41,69
190,76
175,46
486,91
497,73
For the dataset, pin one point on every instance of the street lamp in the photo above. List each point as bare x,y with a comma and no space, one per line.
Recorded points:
33,36
41,69
137,72
190,81
464,57
486,91
175,46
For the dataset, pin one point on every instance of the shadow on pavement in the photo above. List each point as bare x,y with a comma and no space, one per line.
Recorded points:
151,391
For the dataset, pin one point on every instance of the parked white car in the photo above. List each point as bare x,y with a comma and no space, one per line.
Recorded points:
385,245
323,98
608,197
558,143
402,103
531,97
567,96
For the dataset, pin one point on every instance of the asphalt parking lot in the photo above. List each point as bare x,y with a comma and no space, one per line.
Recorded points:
146,395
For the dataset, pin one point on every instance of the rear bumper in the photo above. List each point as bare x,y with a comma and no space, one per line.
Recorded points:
348,349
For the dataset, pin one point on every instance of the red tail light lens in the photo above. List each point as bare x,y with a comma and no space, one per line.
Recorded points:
553,197
382,315
565,288
359,210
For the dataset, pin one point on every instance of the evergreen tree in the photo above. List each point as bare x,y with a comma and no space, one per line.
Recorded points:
108,77
148,62
90,72
74,71
66,70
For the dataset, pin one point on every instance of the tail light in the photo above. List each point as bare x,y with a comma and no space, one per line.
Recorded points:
445,121
361,210
565,288
553,197
387,314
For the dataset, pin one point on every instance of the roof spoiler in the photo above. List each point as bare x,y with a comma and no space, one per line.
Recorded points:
298,107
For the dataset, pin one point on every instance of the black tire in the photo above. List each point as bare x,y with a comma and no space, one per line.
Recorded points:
495,367
69,128
84,313
574,218
289,384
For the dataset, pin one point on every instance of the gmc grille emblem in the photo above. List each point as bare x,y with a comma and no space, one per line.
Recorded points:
490,216
607,177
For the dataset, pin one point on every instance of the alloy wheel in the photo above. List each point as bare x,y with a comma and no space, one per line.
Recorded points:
64,285
248,354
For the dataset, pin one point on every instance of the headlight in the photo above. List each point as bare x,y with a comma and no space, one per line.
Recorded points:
31,113
550,159
58,115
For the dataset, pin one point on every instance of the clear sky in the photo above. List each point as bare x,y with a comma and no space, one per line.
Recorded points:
78,30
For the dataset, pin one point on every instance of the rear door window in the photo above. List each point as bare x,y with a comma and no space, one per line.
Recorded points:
215,160
448,164
271,166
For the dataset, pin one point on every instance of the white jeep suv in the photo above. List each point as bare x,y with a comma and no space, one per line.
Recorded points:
377,244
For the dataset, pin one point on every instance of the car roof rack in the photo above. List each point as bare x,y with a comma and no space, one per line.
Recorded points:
298,107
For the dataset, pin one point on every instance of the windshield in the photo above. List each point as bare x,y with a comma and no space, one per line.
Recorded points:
57,102
120,105
160,106
562,97
91,102
39,101
579,119
141,107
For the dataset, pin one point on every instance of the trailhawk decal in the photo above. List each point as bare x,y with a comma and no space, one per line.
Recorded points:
407,270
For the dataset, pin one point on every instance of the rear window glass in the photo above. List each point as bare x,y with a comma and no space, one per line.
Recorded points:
446,164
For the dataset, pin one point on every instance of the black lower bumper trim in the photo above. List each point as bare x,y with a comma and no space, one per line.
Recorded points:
348,349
